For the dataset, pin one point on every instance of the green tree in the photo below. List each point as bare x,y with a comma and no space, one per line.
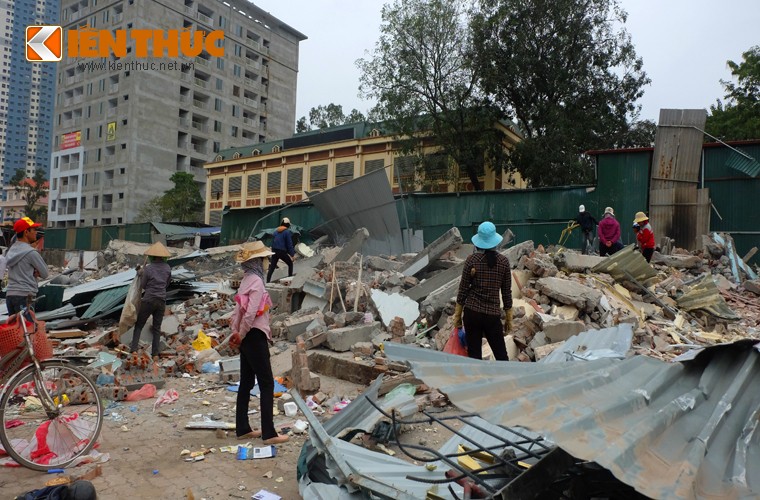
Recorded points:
567,72
420,74
739,117
328,116
183,202
31,190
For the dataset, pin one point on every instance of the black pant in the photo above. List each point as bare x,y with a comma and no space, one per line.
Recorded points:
605,250
156,308
647,252
15,303
280,255
588,242
476,326
255,365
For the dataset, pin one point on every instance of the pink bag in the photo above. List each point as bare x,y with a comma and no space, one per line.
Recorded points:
453,345
145,392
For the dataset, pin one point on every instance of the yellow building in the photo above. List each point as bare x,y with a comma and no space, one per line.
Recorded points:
280,172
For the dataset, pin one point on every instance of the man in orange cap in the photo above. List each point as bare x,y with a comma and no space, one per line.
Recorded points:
25,265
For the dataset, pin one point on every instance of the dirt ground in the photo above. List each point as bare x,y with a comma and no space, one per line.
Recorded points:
145,447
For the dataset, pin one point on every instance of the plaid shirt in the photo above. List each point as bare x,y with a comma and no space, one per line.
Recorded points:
480,293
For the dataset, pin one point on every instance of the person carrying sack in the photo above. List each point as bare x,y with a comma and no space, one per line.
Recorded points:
486,273
154,282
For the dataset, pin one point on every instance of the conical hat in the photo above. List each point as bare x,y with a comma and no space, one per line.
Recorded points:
252,249
157,250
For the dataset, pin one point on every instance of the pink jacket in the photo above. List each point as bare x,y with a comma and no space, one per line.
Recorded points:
252,304
608,229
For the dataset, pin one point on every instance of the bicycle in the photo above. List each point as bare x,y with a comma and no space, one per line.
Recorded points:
50,411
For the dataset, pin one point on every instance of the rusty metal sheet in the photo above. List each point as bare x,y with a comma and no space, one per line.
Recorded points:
705,296
686,430
675,175
627,259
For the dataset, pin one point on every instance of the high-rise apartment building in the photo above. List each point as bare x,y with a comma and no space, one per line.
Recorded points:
125,125
26,89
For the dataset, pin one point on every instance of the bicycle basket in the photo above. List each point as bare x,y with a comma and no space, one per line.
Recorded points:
12,334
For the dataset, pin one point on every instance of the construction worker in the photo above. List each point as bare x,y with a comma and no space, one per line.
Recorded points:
587,223
644,235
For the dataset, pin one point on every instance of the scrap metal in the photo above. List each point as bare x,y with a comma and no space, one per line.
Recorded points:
670,430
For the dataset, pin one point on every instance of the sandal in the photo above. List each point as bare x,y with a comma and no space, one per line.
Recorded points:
276,440
250,435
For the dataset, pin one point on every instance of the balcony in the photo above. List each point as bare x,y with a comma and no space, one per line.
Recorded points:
251,103
201,83
204,18
113,88
251,64
250,122
199,104
203,62
189,9
107,207
117,18
200,126
184,99
67,210
199,148
184,122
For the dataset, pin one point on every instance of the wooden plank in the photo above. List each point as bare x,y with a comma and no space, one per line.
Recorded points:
703,217
73,333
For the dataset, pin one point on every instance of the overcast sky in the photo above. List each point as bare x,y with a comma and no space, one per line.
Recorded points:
684,43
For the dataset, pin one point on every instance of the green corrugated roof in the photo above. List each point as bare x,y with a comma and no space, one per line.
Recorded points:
106,301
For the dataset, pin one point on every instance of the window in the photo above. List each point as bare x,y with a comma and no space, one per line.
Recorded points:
220,63
274,183
344,172
217,126
217,189
254,185
219,84
318,177
238,50
234,131
372,165
403,171
83,203
295,180
236,110
236,70
95,201
217,147
235,186
217,104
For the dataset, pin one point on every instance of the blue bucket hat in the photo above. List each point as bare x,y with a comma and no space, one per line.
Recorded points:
487,237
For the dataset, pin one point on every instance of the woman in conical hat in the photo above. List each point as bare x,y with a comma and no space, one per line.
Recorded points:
251,332
154,282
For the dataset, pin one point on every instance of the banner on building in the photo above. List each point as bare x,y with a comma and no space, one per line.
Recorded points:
71,140
111,132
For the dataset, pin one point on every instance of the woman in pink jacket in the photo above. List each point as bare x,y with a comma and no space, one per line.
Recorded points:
609,233
250,331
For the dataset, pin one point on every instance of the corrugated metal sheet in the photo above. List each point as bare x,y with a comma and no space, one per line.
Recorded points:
106,301
628,259
368,202
705,296
112,281
675,174
351,468
671,430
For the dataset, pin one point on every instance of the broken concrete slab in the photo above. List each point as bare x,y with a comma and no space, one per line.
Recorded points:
343,366
678,261
435,282
752,286
558,330
516,252
449,240
299,266
568,313
576,263
170,325
352,246
391,305
570,292
343,339
381,264
296,324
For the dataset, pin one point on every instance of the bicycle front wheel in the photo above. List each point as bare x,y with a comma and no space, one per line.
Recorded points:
43,438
